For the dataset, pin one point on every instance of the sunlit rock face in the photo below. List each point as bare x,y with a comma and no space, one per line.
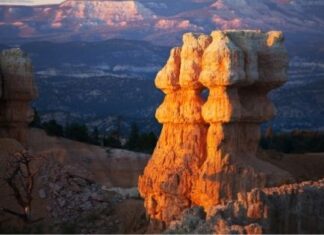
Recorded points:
239,68
206,153
16,92
180,151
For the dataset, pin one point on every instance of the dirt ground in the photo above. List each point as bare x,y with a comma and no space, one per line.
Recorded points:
113,168
307,166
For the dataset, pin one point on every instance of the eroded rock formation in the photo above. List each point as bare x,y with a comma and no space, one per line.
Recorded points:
16,92
180,151
239,68
206,153
293,208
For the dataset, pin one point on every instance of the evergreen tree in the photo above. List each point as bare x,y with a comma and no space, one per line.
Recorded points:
112,140
36,120
95,139
77,131
133,139
53,128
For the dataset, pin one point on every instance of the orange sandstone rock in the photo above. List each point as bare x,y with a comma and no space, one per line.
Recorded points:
180,151
248,65
195,166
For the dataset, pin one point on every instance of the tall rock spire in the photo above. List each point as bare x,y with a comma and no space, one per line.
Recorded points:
180,151
16,92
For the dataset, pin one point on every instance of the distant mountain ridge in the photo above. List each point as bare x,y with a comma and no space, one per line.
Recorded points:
161,22
93,62
110,83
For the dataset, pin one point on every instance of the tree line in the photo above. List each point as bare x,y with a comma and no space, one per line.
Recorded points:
297,141
135,141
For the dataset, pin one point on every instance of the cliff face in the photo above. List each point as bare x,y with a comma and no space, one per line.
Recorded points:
206,153
16,92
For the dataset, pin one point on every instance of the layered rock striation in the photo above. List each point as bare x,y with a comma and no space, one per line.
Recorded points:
206,153
16,92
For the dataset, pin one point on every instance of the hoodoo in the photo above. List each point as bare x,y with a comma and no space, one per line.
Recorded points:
207,151
16,92
174,167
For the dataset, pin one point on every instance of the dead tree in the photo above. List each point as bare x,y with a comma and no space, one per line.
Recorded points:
20,174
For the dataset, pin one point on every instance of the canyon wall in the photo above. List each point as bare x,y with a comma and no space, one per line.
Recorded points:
206,152
17,90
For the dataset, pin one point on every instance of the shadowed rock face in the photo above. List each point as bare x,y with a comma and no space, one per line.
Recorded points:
16,92
206,153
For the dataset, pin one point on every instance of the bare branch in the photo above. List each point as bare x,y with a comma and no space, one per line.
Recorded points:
20,177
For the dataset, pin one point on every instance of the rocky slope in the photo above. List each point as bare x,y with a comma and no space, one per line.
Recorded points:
108,167
79,188
294,208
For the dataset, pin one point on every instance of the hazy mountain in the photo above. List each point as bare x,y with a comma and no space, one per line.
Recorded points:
161,22
103,84
83,76
110,83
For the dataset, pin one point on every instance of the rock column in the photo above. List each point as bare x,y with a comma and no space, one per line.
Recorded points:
207,152
16,92
168,178
239,68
